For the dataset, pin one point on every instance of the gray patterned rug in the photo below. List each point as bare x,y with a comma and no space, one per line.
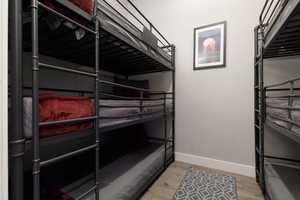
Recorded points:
201,185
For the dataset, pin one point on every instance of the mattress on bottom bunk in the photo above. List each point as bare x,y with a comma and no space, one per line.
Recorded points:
282,180
108,108
276,114
124,178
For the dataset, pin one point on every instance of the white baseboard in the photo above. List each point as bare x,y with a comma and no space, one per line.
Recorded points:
232,167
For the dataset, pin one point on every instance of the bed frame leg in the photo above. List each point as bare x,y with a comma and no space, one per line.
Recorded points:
35,101
97,68
16,138
174,102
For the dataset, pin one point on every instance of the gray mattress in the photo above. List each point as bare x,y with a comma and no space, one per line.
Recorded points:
282,180
124,178
276,114
122,113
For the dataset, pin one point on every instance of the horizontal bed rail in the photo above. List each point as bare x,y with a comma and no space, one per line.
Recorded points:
154,92
55,123
290,81
129,98
68,155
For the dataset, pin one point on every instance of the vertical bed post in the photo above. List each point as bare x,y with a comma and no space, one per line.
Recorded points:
35,101
16,138
165,122
261,108
256,103
173,96
97,104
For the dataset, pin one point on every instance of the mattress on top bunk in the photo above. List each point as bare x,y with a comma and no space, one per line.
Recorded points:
104,112
116,109
282,180
124,178
276,114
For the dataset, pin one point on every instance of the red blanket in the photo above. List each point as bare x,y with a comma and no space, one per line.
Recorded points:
86,5
53,194
55,108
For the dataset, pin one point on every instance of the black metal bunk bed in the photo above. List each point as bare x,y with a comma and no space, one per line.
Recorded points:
119,46
276,106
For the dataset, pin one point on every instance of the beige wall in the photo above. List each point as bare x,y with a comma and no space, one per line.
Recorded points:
214,107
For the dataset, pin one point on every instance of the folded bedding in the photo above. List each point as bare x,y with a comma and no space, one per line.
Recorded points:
280,116
112,112
56,108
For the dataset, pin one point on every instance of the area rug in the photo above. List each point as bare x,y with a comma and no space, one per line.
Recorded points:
201,185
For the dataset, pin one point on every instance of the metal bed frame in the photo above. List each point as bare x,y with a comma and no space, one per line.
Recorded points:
17,139
277,35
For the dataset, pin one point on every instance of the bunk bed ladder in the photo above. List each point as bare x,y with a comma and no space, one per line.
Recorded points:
37,163
259,102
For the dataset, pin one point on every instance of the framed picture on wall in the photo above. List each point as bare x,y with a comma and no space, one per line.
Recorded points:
210,46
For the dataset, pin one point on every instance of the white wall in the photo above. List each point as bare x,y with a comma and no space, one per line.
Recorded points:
214,107
3,101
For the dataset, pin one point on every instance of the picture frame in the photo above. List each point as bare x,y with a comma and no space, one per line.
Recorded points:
210,46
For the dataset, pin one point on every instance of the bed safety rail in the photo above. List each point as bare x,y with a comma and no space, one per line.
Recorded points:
161,96
286,92
140,22
271,10
144,96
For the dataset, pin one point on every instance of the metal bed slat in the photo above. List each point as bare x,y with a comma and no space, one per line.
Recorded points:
280,23
285,43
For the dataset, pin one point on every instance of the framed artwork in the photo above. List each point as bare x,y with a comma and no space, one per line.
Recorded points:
210,46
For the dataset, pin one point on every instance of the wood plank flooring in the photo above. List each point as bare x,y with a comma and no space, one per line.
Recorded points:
166,185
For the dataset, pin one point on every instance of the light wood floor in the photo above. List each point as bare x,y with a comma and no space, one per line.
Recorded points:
166,185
